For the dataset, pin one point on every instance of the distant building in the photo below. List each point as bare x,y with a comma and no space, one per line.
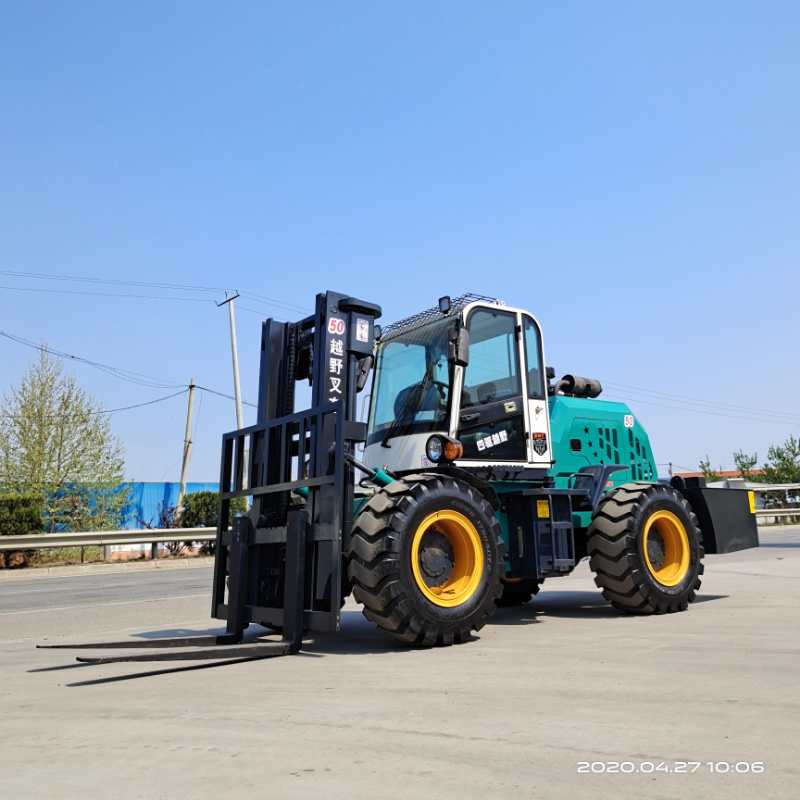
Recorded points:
724,474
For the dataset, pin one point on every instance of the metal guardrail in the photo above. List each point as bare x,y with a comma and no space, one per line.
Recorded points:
155,536
774,515
151,536
778,512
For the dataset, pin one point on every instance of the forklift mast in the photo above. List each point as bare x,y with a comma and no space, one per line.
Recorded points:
280,564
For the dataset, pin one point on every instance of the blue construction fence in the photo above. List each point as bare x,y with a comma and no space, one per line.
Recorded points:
148,501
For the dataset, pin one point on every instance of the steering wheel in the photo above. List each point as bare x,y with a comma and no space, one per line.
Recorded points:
407,402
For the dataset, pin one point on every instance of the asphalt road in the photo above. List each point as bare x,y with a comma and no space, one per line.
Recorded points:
65,594
543,688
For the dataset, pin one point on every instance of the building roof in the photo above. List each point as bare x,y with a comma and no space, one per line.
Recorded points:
723,473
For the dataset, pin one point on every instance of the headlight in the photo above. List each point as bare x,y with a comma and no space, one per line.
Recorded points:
443,448
434,449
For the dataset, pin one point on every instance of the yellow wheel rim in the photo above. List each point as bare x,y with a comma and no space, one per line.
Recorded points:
447,558
665,545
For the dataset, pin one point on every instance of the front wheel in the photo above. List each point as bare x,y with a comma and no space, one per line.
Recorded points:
645,548
425,560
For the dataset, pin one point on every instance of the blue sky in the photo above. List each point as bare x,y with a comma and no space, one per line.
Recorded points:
627,171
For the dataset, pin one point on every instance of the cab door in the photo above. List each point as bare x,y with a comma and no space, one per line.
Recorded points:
493,403
539,442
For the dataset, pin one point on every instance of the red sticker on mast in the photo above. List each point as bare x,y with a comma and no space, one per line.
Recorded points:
336,326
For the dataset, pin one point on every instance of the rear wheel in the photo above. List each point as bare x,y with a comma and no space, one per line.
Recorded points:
518,591
425,560
645,549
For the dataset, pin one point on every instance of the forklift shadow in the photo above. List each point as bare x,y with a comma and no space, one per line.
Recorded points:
586,605
358,636
568,605
166,633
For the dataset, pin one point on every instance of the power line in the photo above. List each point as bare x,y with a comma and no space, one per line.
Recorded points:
250,310
117,372
41,289
222,394
272,301
127,375
115,410
141,405
49,276
714,404
178,287
710,412
712,409
258,312
197,416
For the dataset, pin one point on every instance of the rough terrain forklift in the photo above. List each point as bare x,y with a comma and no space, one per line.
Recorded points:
481,476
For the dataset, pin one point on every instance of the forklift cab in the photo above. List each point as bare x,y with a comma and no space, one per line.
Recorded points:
474,373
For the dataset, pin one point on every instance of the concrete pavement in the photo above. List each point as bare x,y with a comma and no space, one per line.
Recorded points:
71,592
545,687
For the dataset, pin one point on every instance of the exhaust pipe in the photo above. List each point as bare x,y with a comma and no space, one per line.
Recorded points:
576,386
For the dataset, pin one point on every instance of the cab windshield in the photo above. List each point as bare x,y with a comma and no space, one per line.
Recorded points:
412,384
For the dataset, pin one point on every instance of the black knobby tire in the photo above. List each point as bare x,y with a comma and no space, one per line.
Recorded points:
616,555
518,592
380,564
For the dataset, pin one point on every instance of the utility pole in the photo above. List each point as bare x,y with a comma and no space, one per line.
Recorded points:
237,392
187,449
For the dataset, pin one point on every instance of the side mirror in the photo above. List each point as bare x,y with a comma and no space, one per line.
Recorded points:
550,372
364,366
458,347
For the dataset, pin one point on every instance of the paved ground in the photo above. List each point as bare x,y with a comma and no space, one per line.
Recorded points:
72,593
545,687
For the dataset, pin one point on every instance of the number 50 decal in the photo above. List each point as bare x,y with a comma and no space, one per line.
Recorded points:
336,325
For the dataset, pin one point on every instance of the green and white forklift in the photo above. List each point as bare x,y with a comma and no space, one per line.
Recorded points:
481,477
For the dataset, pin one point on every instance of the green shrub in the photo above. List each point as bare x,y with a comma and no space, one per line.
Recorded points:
201,510
20,514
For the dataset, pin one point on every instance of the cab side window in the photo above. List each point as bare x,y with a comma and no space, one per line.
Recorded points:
533,358
493,370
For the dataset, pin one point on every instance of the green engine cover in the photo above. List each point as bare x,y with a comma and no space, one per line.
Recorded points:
591,431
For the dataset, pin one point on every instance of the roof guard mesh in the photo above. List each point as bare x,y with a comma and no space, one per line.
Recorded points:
431,315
